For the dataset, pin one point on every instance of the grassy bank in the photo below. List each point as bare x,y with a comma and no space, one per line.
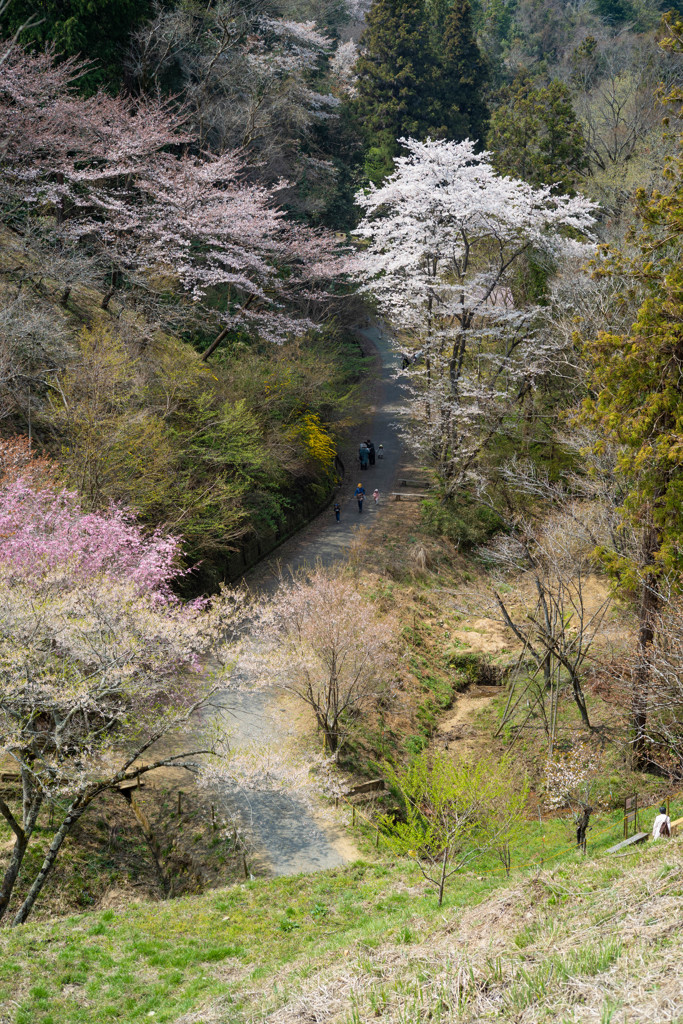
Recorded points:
586,941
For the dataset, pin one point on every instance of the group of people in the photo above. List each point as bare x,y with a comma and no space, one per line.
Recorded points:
367,453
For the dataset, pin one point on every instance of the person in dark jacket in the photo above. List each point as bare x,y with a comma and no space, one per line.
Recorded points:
337,510
371,449
359,494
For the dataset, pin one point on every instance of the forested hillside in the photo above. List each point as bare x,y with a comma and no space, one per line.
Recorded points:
247,246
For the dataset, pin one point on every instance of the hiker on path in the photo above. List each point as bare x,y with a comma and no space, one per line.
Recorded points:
337,510
363,455
662,824
375,495
359,494
371,449
380,452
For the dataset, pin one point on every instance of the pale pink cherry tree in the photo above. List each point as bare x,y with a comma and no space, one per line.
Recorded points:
322,639
446,234
108,168
572,779
98,663
343,66
212,229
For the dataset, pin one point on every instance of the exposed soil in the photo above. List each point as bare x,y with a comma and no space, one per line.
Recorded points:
456,731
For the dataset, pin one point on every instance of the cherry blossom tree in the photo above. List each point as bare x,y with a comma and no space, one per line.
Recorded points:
343,65
251,83
122,181
571,779
325,642
445,235
98,660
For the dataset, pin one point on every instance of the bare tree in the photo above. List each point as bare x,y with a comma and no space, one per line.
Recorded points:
327,644
557,561
616,96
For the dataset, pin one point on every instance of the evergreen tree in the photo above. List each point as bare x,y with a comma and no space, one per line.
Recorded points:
535,134
463,76
396,81
97,30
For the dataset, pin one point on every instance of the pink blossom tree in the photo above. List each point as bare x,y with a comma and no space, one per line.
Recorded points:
98,662
445,235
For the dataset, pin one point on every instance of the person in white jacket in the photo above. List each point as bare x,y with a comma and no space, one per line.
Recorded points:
662,824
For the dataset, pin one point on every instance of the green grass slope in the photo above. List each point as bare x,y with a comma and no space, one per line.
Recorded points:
598,940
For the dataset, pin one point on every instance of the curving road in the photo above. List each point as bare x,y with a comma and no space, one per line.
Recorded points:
323,538
286,831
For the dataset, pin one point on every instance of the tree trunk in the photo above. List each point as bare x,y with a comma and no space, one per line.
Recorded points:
580,700
331,739
22,837
73,814
214,344
442,880
649,603
10,877
216,341
582,828
107,296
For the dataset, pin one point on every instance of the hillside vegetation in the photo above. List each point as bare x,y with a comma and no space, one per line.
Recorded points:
239,240
598,940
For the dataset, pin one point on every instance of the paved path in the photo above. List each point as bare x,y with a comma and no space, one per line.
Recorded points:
288,835
284,827
323,538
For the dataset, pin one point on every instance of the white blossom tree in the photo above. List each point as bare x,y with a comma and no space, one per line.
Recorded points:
322,639
445,236
571,779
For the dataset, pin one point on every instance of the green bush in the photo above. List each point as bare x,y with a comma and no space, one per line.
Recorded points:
461,520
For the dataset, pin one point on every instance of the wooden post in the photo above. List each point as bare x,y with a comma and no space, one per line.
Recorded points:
353,814
246,868
180,802
213,817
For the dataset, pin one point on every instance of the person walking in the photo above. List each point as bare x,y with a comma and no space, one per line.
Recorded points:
375,495
337,510
380,452
371,449
661,827
359,494
363,455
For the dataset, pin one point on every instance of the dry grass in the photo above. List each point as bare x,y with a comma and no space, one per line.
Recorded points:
556,947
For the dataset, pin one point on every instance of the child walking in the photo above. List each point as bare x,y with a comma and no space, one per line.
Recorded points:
375,495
